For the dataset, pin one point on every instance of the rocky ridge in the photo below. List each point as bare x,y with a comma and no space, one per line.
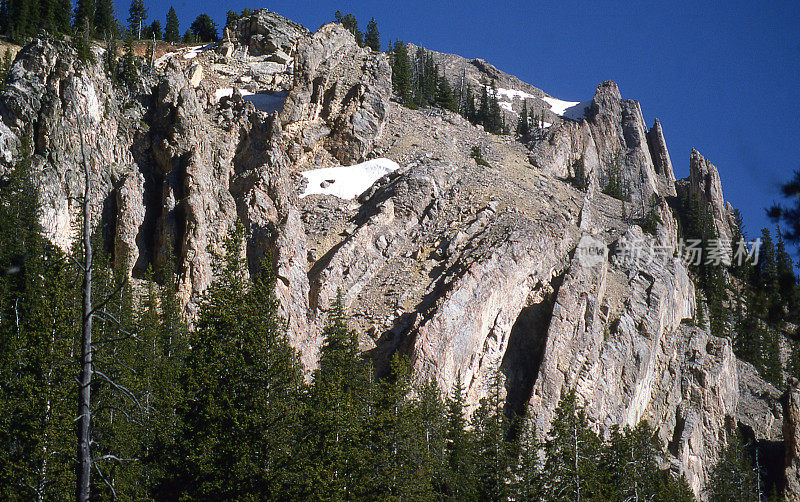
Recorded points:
468,269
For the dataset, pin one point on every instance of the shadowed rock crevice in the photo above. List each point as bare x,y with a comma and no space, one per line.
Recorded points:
522,358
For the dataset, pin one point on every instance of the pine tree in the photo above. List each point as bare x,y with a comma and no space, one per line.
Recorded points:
204,29
766,273
444,95
482,116
129,63
494,120
523,126
529,483
154,30
105,22
62,15
138,14
37,321
84,9
5,67
340,387
493,458
351,24
242,384
733,477
172,31
787,282
631,460
458,479
372,38
571,453
401,72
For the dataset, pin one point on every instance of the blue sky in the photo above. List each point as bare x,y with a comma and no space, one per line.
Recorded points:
723,78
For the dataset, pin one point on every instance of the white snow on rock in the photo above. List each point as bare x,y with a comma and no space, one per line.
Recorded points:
193,52
506,106
512,94
163,59
574,110
266,102
188,53
347,182
224,92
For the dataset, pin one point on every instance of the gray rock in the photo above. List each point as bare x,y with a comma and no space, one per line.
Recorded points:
791,435
265,32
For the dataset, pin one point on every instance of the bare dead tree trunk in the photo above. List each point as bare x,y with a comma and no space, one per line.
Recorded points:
85,378
153,52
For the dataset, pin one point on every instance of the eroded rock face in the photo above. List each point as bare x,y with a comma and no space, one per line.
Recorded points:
68,111
265,32
616,336
704,183
340,97
791,436
661,160
469,270
612,142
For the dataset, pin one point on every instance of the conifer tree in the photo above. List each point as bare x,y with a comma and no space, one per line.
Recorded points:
172,31
154,30
340,385
630,458
62,15
494,120
138,14
5,67
766,274
372,38
458,452
105,22
401,72
444,95
493,458
523,126
37,321
787,281
482,117
351,24
84,10
572,453
733,477
239,418
204,29
529,484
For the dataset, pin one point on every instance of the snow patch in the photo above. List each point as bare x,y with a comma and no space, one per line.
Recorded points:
266,102
506,106
574,110
163,59
512,94
193,52
225,92
347,182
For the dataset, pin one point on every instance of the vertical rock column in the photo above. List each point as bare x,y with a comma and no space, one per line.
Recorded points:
791,437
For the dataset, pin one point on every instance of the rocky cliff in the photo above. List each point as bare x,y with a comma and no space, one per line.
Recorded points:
468,269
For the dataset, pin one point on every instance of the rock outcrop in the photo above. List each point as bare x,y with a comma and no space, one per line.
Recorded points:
612,142
791,437
264,32
340,97
704,184
472,271
661,160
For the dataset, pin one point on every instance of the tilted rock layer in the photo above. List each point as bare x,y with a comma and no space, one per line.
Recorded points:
468,269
